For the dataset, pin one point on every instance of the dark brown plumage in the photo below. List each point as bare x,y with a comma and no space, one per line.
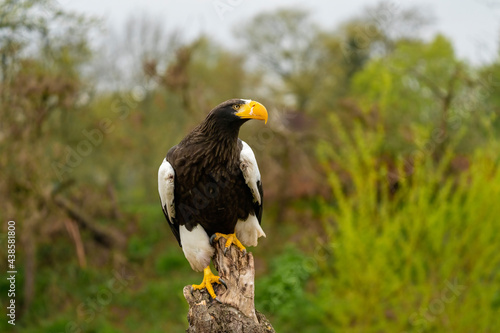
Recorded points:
210,189
209,185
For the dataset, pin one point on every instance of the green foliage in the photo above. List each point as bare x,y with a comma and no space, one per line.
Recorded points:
421,256
282,293
419,90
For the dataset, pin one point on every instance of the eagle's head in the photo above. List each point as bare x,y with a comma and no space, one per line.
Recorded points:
235,112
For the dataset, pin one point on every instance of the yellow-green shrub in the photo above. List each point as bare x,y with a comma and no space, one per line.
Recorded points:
425,258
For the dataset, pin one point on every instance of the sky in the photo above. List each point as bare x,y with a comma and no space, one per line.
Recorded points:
472,25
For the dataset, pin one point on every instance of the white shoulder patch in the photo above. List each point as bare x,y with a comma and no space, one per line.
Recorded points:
250,169
248,231
166,177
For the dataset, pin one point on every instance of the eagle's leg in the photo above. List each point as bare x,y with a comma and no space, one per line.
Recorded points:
208,279
230,239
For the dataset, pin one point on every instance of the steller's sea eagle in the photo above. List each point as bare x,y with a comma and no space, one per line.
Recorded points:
210,187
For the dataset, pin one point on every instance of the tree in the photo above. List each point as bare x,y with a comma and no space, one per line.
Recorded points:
284,45
41,51
419,84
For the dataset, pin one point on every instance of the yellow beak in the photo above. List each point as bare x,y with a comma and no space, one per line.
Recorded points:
253,110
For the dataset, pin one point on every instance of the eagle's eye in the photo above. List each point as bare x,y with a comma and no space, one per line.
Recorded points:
236,107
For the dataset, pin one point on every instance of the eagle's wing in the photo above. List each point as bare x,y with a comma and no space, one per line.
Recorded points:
166,185
251,173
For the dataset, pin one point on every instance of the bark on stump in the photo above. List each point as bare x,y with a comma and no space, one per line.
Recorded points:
237,312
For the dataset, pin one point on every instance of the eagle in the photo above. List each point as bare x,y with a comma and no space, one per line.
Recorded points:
210,187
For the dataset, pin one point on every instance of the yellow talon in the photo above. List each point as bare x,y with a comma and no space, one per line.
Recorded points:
208,279
231,239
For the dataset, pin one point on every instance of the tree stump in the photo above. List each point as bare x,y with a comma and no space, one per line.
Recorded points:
236,313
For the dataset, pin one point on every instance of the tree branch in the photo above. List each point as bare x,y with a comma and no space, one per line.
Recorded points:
104,235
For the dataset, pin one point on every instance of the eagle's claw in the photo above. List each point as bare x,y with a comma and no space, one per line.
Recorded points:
208,279
223,282
212,239
231,239
192,289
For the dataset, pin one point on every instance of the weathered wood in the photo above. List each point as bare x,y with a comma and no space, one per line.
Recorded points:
237,312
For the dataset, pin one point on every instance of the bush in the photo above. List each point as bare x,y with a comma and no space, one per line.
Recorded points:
282,294
421,256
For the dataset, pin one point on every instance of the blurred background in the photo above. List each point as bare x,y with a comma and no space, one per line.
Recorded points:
380,160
